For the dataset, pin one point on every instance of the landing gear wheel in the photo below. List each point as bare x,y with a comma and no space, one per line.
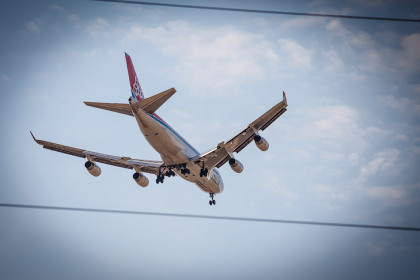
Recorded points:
204,172
159,179
212,201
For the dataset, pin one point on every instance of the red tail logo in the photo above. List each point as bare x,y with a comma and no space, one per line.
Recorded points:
136,90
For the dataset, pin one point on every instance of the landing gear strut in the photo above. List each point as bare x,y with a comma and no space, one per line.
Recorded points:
204,172
212,201
184,169
159,178
169,173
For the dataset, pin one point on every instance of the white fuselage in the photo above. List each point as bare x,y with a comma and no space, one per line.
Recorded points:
174,149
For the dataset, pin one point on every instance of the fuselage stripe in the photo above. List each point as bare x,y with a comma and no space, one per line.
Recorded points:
158,119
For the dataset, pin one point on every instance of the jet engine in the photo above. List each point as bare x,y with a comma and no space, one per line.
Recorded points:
93,168
236,165
261,143
140,179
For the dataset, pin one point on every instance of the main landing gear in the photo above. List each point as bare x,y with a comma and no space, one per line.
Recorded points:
212,201
169,172
183,168
204,172
160,176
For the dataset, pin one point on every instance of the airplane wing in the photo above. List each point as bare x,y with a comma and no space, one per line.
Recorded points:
147,166
223,152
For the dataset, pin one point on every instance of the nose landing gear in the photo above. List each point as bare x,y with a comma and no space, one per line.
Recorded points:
212,201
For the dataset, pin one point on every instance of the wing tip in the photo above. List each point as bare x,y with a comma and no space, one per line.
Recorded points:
284,97
36,140
32,135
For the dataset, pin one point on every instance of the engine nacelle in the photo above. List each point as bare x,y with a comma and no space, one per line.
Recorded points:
236,165
93,168
261,143
140,179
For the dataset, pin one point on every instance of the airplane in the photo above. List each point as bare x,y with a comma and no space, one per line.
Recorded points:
178,156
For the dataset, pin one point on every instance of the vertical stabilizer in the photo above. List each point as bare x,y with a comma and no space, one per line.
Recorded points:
136,90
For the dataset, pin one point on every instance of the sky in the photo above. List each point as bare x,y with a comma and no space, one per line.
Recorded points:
347,150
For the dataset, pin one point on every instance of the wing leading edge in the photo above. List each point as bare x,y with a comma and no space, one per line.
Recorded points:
224,150
147,166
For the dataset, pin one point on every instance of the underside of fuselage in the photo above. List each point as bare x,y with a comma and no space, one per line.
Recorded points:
175,151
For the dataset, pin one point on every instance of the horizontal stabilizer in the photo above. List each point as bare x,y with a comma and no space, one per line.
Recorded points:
149,105
114,107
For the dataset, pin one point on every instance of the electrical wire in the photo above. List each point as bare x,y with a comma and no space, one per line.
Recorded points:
260,11
175,215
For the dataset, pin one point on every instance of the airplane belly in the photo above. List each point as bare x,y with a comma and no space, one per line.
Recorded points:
209,184
175,150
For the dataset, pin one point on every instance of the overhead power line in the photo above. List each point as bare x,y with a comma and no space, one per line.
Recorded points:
259,11
175,215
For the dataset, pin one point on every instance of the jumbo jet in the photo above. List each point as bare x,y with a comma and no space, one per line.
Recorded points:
178,156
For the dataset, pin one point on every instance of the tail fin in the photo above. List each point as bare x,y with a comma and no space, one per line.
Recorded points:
136,90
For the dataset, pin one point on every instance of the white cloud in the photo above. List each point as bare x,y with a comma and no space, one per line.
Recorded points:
216,58
415,149
333,61
74,20
274,185
349,38
370,55
393,102
295,54
4,77
353,158
403,104
335,157
401,137
383,161
220,59
301,155
336,125
387,194
370,3
302,22
97,27
411,53
56,7
331,197
34,26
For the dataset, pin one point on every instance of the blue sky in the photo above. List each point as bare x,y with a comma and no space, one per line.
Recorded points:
347,150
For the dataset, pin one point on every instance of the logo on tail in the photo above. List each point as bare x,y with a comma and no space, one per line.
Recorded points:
136,90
